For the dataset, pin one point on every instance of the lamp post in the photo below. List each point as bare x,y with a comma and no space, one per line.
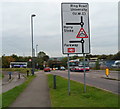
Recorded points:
33,15
36,49
36,56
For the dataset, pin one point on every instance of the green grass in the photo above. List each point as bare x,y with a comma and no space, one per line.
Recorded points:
115,69
21,70
1,75
9,96
92,98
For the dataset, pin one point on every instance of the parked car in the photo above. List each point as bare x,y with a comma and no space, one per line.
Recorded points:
62,68
116,64
80,68
56,68
47,69
53,68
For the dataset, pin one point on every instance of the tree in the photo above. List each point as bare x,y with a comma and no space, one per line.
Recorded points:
50,63
15,57
110,57
41,54
64,61
74,57
42,57
6,61
46,58
97,66
102,56
116,56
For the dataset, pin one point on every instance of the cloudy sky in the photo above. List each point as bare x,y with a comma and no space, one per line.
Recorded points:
15,32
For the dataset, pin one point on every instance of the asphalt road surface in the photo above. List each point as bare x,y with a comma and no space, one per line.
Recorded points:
93,78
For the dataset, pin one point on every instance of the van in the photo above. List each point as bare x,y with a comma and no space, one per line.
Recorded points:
116,64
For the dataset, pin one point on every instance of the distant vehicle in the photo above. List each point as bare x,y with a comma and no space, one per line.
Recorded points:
116,64
47,69
80,68
76,65
18,64
56,68
62,68
53,68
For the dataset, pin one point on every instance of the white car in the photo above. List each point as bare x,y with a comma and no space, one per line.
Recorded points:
62,68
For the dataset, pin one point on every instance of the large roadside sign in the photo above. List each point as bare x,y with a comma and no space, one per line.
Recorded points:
75,28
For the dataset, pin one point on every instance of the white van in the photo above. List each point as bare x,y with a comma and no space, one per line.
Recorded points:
116,64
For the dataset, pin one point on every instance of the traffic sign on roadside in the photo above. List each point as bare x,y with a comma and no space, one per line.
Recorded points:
75,28
75,32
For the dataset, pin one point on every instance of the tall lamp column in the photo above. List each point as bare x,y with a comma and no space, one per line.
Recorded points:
36,50
33,67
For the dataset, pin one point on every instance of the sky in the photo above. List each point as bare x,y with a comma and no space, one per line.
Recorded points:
15,30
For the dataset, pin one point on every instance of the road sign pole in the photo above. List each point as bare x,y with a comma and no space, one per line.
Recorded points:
68,76
84,72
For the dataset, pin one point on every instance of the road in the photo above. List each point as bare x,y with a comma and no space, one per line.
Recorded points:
93,78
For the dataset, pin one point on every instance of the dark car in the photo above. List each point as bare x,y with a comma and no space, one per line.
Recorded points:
47,69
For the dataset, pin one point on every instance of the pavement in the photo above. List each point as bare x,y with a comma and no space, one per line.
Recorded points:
8,84
36,94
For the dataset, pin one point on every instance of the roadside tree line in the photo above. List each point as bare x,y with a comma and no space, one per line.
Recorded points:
43,59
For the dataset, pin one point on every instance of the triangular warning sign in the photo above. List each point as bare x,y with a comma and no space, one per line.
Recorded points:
82,34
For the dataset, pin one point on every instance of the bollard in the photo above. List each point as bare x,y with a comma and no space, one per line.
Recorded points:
18,75
32,71
27,72
10,73
9,76
54,81
107,72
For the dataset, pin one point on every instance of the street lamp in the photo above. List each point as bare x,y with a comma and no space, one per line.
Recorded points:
36,49
33,15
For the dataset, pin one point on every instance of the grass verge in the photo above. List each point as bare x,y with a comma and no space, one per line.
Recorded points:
1,75
9,96
21,70
92,98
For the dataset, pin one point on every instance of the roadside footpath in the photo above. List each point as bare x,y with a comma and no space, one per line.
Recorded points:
8,84
36,94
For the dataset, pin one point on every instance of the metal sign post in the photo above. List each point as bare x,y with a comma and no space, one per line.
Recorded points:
68,76
84,72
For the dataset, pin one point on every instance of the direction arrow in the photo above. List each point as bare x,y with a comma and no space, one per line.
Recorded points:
81,23
81,41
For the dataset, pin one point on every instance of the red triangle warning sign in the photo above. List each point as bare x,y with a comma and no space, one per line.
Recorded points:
82,34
